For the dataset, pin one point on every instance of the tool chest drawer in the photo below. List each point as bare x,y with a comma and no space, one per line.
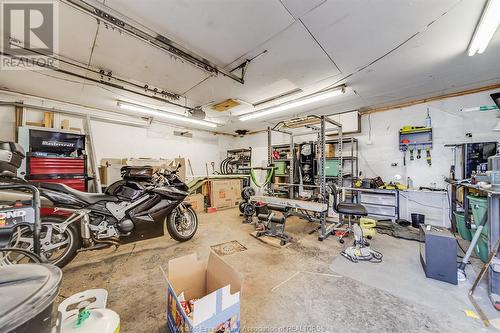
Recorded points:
56,166
378,199
389,211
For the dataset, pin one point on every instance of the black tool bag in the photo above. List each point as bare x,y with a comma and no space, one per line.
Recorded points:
11,157
137,172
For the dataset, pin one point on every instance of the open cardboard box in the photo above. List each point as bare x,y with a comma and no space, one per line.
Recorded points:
214,284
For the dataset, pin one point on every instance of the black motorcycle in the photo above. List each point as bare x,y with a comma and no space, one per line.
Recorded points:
135,208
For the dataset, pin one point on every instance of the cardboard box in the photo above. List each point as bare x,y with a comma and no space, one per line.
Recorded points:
110,174
236,187
220,194
110,161
213,284
182,170
329,150
197,202
110,170
65,124
48,119
225,193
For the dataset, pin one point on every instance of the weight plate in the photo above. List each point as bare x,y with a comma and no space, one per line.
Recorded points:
242,207
247,192
249,209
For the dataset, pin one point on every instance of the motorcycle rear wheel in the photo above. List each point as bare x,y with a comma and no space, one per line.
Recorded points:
57,249
182,227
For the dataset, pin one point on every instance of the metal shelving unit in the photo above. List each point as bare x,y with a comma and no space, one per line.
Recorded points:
349,161
240,160
288,177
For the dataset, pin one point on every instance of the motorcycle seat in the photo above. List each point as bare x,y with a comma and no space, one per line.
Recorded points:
90,198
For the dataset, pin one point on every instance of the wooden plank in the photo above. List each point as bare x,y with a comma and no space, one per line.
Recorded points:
48,119
369,110
273,241
19,120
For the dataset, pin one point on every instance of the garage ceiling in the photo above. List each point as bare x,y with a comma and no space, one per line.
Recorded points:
384,51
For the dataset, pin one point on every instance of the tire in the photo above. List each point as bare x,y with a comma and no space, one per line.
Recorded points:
173,222
75,244
71,234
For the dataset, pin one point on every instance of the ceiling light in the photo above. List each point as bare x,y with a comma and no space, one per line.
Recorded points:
163,114
296,103
485,29
480,108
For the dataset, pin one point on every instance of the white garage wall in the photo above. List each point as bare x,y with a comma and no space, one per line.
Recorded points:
158,141
7,123
449,126
121,141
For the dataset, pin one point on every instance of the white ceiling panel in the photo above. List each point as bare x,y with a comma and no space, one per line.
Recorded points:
355,32
45,83
293,60
220,30
334,105
76,33
131,58
435,62
300,7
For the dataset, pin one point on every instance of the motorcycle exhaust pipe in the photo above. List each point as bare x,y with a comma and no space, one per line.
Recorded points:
94,247
85,227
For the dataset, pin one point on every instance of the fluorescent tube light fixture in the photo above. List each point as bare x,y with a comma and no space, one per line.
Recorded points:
296,103
480,108
485,29
163,114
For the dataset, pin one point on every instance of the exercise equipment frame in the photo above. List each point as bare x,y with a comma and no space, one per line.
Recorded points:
311,123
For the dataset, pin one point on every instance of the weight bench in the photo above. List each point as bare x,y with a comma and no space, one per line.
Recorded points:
274,226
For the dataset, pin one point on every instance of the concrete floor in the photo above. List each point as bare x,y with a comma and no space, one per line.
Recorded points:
304,286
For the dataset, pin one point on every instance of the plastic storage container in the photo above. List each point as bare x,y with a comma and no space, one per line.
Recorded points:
28,292
332,168
464,232
280,168
481,248
479,208
417,220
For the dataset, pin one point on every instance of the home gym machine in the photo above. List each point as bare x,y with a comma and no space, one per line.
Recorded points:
316,208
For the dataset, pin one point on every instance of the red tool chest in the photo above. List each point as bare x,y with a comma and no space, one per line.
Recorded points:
57,157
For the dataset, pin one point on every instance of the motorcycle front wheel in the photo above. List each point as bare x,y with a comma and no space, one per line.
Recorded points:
182,224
